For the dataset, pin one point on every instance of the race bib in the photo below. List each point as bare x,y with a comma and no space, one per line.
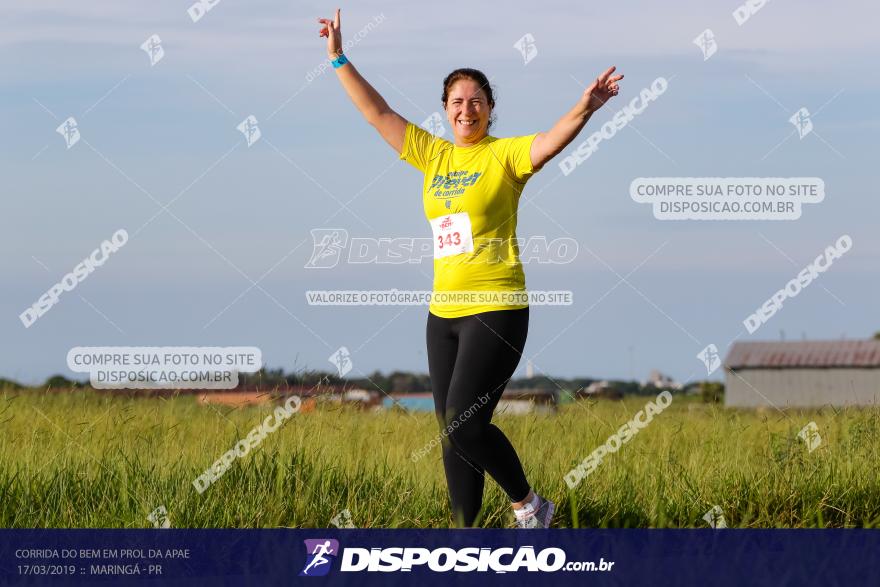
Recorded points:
452,235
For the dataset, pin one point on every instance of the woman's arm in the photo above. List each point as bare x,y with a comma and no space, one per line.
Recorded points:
549,144
376,111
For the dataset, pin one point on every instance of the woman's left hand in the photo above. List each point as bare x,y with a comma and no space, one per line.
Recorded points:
602,89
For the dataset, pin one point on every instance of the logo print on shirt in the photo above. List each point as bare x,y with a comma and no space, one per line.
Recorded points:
453,185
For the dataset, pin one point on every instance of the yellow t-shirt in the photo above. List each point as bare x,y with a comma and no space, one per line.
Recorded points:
472,190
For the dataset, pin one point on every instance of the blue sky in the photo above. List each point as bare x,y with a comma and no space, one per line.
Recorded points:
152,134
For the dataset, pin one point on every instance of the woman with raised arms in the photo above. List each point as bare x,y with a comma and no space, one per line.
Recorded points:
478,317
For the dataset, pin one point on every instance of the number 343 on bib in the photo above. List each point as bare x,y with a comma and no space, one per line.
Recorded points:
452,235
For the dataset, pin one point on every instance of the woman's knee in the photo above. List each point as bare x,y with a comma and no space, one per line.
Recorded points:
466,435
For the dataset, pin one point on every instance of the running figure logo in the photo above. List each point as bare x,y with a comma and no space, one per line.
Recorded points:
715,517
801,121
327,247
153,48
70,131
810,435
434,125
710,358
342,359
706,42
159,517
526,47
250,130
319,556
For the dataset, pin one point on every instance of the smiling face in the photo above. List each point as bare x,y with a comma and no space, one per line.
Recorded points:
468,111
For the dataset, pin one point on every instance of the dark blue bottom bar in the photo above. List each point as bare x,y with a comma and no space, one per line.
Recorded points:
434,557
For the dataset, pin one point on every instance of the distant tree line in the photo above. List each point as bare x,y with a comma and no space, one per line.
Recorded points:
402,382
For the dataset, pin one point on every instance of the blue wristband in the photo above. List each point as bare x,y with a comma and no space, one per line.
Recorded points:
339,61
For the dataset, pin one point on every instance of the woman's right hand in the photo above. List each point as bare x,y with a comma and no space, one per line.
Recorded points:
332,30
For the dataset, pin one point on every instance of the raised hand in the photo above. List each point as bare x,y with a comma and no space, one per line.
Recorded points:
602,89
332,29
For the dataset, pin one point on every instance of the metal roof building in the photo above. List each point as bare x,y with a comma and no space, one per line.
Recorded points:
803,374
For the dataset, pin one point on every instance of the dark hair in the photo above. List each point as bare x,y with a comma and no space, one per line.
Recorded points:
475,75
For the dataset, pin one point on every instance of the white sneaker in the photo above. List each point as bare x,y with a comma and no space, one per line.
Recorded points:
529,517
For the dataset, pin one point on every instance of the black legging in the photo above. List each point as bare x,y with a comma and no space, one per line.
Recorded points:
471,359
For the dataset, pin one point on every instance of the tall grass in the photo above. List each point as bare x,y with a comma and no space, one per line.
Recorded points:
82,459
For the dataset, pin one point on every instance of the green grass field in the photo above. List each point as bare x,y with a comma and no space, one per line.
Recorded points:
78,459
